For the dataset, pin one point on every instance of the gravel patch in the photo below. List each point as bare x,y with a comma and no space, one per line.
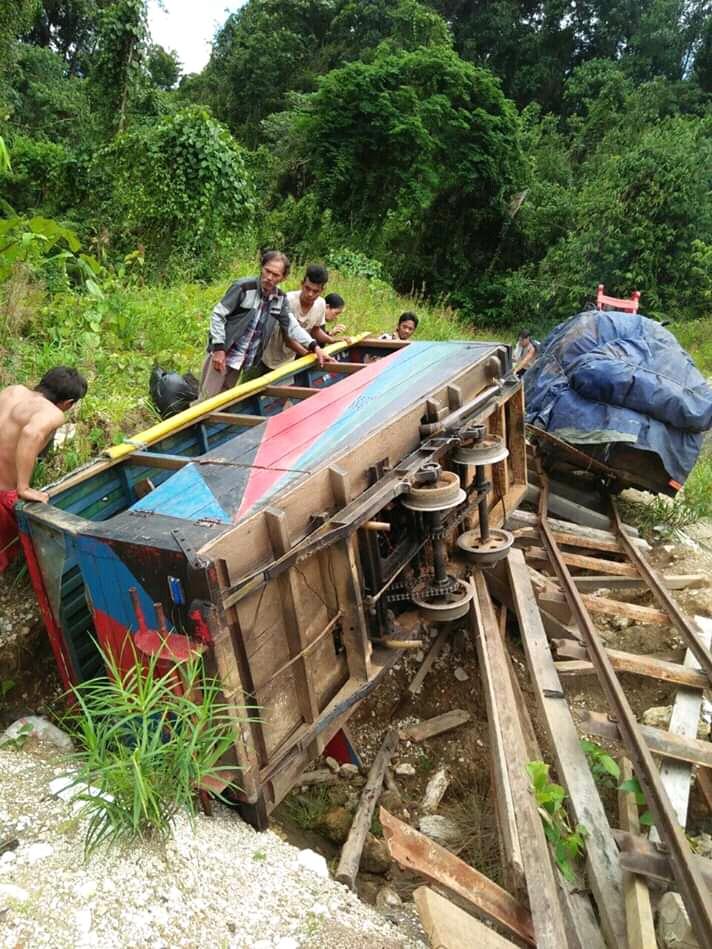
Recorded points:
218,883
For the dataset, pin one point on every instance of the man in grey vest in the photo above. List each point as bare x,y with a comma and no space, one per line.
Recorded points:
243,322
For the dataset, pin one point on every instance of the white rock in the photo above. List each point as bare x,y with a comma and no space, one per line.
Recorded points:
674,929
37,727
658,716
37,852
286,942
387,898
460,674
314,862
440,829
7,858
82,920
8,891
332,764
349,770
435,790
404,770
262,944
86,890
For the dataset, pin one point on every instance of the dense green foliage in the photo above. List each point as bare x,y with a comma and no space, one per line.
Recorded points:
507,156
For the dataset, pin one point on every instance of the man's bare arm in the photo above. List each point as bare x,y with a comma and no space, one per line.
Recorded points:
322,338
33,437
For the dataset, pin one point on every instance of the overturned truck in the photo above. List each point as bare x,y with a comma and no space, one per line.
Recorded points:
282,529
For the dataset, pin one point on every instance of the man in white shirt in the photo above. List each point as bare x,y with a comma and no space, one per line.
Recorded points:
308,307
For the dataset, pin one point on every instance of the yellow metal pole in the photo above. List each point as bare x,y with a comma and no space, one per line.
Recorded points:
174,424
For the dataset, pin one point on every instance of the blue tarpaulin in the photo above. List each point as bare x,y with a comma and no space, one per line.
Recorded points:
607,377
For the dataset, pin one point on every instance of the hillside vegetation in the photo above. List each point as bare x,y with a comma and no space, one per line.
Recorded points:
485,164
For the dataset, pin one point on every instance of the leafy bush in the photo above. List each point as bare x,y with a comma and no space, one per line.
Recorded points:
567,842
180,189
40,178
144,750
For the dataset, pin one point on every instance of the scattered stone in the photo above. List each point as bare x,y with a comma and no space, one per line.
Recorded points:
658,716
435,790
337,823
87,889
702,845
349,770
620,622
10,892
404,770
313,862
419,655
440,829
37,852
368,890
82,920
35,726
332,764
674,929
460,674
375,857
286,942
388,899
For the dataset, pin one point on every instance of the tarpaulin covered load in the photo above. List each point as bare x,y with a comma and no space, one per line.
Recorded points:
606,378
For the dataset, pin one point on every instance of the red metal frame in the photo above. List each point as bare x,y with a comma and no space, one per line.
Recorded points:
617,303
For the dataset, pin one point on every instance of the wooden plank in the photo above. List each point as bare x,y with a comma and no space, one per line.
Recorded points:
416,684
672,581
296,618
640,855
449,927
530,537
528,519
289,392
661,742
675,775
231,418
704,784
646,615
601,853
538,555
511,847
153,459
347,870
416,852
562,507
647,666
540,879
638,911
435,726
347,368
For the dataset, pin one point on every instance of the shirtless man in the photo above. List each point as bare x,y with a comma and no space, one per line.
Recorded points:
28,419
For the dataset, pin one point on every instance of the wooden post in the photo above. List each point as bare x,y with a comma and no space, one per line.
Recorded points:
540,879
601,851
347,870
638,911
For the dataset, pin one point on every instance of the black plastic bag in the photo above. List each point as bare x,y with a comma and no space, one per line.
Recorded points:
171,392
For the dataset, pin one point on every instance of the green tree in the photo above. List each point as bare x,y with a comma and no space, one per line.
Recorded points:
164,67
118,63
15,19
179,188
416,153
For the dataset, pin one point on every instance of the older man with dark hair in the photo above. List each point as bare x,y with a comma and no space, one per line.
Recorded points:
242,324
28,419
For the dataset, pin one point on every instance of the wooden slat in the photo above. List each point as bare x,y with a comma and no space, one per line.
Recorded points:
296,619
449,927
601,854
601,604
675,775
538,555
435,726
290,392
640,855
530,537
672,581
638,911
647,666
540,879
507,826
231,418
416,852
520,518
348,368
152,459
662,742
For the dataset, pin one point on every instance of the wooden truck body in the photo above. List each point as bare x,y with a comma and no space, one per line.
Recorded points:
249,520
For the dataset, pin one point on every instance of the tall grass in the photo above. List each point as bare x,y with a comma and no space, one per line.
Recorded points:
144,749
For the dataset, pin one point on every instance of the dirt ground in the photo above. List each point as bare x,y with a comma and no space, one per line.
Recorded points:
27,666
